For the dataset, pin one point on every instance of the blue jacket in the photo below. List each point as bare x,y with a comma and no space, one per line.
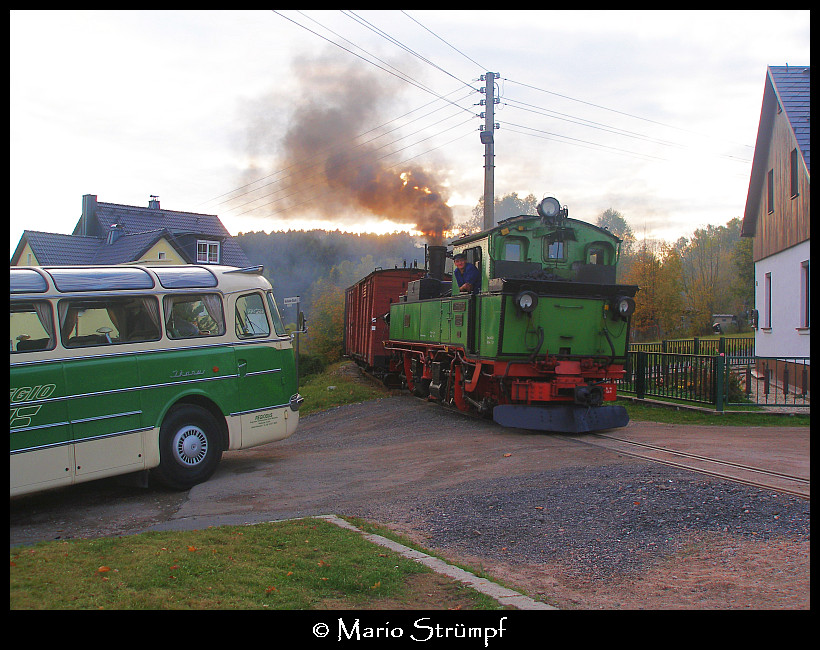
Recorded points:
471,275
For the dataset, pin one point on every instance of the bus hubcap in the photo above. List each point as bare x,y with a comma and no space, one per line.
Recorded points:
190,445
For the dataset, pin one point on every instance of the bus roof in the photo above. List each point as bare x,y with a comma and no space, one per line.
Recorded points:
125,277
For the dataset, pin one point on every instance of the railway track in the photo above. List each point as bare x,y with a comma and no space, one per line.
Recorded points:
747,474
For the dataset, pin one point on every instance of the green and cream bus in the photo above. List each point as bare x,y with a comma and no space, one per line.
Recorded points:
129,368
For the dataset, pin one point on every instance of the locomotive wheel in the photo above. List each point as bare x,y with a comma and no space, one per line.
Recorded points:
421,388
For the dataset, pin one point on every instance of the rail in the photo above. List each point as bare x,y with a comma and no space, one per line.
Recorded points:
797,484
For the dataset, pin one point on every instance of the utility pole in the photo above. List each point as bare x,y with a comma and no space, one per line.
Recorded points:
489,147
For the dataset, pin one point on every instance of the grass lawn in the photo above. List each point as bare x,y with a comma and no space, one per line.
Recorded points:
295,565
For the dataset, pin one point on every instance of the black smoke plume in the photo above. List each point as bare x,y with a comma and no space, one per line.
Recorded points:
332,161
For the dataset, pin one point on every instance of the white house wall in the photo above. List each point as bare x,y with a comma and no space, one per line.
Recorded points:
784,337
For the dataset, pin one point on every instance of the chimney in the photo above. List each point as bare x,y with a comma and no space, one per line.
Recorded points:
89,215
114,233
154,202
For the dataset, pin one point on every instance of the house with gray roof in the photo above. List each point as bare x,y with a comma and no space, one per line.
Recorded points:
112,233
777,215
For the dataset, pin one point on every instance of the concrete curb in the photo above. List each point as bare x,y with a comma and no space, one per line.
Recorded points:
501,594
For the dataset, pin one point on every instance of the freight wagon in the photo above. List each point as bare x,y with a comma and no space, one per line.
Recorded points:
365,328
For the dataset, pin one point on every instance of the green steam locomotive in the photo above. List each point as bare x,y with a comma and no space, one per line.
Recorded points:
538,343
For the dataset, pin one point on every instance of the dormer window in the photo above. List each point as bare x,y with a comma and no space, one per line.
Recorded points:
207,252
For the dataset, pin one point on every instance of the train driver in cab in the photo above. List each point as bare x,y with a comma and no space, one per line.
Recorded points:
467,275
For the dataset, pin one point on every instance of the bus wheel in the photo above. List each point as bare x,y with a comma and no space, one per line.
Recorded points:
189,449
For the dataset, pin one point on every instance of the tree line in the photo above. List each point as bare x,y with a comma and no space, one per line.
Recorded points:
318,266
682,283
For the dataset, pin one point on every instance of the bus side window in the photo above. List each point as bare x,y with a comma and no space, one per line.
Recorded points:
106,321
251,319
188,316
31,326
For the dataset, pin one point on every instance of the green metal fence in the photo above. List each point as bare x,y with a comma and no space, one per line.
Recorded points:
730,346
716,372
686,377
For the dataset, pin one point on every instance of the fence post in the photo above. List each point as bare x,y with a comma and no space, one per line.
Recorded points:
719,380
640,375
695,345
722,345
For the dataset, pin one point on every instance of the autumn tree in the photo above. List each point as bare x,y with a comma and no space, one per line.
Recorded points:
645,272
669,293
325,337
504,207
707,273
616,223
326,327
743,278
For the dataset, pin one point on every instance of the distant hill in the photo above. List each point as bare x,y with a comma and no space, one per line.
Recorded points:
294,259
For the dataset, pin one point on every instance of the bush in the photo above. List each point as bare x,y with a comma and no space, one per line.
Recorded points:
310,364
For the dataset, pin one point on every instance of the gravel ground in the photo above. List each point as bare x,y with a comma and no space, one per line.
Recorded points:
602,521
578,526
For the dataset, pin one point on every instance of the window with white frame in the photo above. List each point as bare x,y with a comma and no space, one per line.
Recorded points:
767,301
207,252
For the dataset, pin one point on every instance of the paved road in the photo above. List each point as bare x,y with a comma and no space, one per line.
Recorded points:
376,460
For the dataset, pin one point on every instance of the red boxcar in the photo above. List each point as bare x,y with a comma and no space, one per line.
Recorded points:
365,303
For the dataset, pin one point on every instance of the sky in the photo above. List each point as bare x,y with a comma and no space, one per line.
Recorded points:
651,113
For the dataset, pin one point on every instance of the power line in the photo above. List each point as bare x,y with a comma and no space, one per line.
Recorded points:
605,108
330,191
578,140
588,123
618,131
395,41
539,133
443,41
322,154
349,162
399,75
399,72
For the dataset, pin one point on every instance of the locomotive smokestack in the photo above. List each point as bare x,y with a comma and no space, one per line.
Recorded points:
436,256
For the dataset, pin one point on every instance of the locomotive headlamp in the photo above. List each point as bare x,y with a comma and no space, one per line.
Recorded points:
624,307
549,208
526,301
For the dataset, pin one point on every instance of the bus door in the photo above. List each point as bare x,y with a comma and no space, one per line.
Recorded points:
103,382
266,370
40,445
